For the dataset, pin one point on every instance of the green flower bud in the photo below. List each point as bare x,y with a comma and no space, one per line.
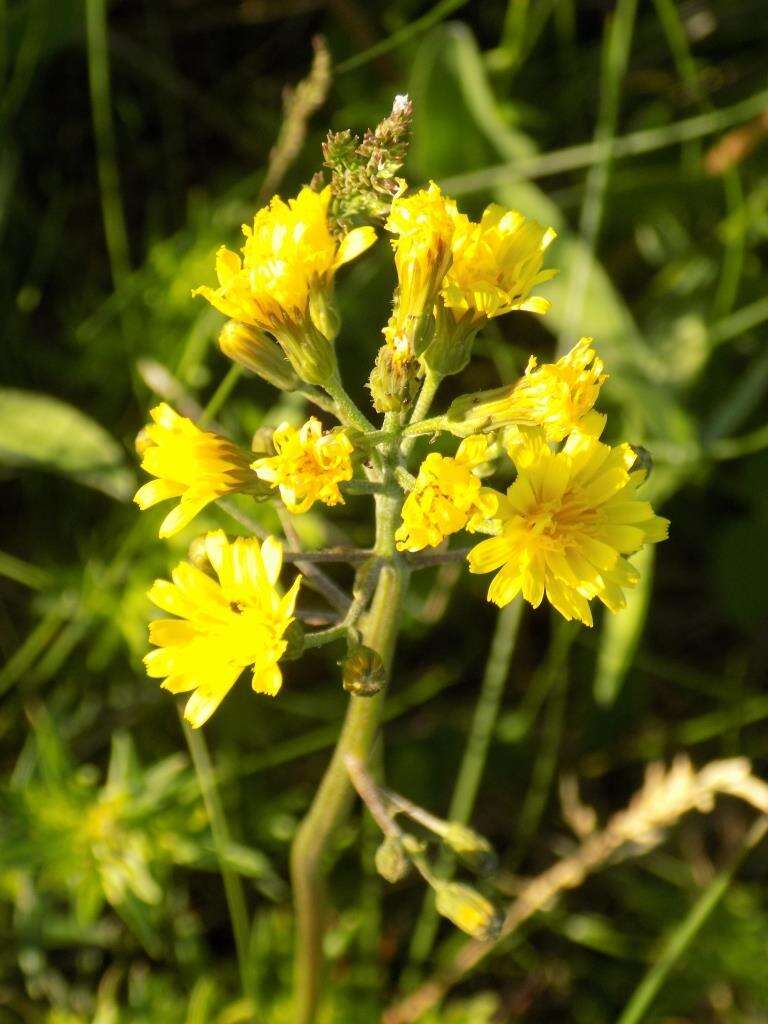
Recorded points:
470,847
468,910
363,672
451,345
393,382
310,353
391,860
253,349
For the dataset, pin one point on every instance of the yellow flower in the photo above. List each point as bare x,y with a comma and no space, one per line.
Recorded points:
424,225
447,497
494,267
288,253
222,627
309,465
189,463
556,396
568,521
496,264
284,281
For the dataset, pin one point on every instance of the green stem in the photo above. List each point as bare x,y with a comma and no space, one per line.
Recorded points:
325,636
333,796
233,887
472,764
316,396
422,407
430,426
346,409
221,394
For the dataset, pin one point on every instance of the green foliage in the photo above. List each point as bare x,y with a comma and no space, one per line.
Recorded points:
112,909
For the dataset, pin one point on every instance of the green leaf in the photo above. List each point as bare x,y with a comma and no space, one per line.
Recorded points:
622,631
40,431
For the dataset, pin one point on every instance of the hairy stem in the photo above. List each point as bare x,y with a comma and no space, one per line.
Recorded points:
349,414
422,407
332,800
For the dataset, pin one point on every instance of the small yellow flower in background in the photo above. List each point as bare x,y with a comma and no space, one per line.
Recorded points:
284,281
447,497
496,264
555,396
190,463
423,225
308,465
568,521
222,627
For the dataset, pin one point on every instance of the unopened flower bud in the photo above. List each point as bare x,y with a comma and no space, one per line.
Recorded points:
294,638
363,672
391,860
253,349
310,353
468,910
470,847
393,382
451,346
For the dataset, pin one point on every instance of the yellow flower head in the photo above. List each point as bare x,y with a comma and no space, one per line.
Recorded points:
423,224
289,254
496,264
556,396
568,521
447,497
222,627
190,463
309,465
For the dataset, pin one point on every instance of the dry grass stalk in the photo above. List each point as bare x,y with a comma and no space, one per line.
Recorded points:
666,795
299,104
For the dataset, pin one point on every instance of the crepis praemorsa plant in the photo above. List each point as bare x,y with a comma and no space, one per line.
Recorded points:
563,530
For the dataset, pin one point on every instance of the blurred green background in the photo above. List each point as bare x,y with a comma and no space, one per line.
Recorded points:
136,137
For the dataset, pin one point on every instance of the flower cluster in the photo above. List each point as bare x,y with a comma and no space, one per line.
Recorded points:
283,283
455,274
564,529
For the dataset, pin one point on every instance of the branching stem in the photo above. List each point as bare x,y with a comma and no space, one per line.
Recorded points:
313,841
